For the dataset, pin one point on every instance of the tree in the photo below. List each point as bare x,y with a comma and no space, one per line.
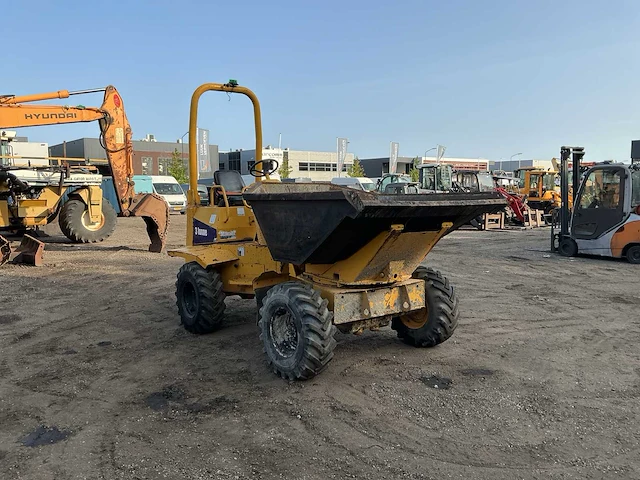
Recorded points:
177,168
356,169
414,172
285,170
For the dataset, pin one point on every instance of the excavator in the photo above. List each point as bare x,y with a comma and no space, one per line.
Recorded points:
33,196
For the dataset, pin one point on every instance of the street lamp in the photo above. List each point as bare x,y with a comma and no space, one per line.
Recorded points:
515,155
425,152
182,146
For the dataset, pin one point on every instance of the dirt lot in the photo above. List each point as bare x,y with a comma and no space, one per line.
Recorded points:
541,379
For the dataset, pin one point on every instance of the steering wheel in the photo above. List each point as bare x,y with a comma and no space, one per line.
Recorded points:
271,167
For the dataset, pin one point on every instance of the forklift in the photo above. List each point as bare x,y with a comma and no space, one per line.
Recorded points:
605,218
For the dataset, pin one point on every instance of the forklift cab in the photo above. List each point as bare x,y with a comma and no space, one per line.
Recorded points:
600,204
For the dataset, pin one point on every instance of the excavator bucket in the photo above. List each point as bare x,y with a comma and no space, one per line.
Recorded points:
5,250
30,251
155,212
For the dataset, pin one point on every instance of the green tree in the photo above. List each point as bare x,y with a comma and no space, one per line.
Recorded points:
414,172
285,170
177,168
356,169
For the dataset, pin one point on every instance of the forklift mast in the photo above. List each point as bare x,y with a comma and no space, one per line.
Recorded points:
565,153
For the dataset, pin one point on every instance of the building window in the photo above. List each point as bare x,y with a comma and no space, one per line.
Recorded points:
163,165
234,165
234,161
147,165
320,167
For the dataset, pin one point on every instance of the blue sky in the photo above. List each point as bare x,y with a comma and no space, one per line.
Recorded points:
487,79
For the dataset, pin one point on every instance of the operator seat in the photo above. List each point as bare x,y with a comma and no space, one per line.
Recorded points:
233,184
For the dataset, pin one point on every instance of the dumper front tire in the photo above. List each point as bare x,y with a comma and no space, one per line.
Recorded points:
200,298
433,325
74,222
296,330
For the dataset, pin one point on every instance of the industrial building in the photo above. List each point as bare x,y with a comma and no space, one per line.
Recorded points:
319,166
376,167
149,156
16,150
512,165
635,151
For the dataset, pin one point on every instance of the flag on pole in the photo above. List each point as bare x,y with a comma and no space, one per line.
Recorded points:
342,153
441,149
204,163
393,157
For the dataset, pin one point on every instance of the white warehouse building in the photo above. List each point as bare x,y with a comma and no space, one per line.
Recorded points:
19,151
319,166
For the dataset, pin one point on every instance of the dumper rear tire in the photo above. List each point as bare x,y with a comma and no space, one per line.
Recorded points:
296,330
73,221
436,323
200,298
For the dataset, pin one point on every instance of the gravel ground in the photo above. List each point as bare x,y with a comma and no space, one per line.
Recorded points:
98,380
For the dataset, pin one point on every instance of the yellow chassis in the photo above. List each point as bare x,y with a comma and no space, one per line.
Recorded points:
38,212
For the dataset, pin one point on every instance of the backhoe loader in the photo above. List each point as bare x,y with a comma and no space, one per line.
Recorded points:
317,257
541,187
32,196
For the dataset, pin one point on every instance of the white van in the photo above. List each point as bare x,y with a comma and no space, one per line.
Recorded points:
168,188
359,183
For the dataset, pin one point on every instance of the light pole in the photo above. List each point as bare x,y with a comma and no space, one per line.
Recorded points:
182,146
515,155
425,152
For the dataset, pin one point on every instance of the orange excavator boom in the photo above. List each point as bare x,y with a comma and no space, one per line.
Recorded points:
116,139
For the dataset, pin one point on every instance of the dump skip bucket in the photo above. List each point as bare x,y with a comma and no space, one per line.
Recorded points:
323,223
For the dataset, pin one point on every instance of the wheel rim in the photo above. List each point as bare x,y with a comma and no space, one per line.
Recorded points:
189,299
635,254
86,222
415,319
283,332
